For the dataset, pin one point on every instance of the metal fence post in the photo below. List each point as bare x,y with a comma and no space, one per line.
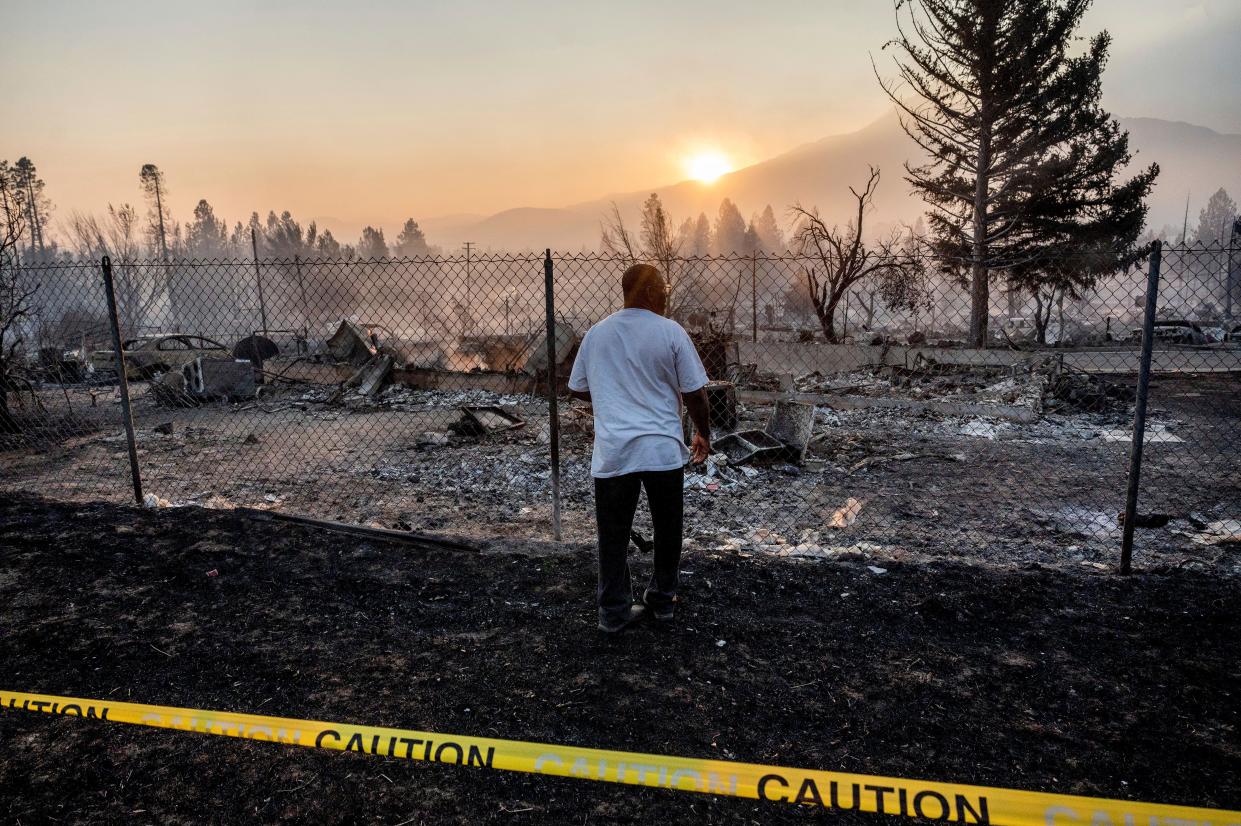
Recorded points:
553,412
1139,411
1228,277
754,295
301,288
258,277
127,413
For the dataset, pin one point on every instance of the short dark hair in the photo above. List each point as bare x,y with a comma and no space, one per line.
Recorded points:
637,276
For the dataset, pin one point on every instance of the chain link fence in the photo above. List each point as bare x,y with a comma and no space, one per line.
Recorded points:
852,416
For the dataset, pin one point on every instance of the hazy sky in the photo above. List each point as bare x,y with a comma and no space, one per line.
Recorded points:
374,111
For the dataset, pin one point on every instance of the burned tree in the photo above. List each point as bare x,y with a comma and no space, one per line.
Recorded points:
118,235
657,242
15,299
617,239
844,260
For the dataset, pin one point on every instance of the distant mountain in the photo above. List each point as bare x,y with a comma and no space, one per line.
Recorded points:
1193,159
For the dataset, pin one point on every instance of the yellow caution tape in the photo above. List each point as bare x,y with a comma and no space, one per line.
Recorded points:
835,790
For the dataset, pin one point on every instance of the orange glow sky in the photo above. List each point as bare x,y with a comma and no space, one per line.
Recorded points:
372,112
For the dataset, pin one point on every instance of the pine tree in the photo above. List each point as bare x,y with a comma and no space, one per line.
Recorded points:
770,237
1022,156
372,244
700,239
283,236
152,182
27,194
206,236
411,242
729,233
16,295
1215,220
327,246
750,241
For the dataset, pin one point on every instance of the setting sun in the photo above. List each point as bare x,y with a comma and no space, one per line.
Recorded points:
707,166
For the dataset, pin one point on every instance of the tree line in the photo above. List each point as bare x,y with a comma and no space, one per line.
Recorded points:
126,233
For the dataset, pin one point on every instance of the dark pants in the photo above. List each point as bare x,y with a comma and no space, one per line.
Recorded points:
616,500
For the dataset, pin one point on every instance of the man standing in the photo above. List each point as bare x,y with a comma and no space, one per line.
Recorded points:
635,367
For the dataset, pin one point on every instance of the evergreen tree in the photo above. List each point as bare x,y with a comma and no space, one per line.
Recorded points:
153,189
372,244
1215,220
750,243
699,241
27,194
411,242
685,232
17,296
327,246
283,236
1022,156
770,237
206,236
729,234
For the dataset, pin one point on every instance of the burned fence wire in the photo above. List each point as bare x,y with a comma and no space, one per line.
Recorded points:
851,418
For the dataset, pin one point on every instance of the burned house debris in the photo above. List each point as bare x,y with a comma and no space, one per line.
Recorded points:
417,404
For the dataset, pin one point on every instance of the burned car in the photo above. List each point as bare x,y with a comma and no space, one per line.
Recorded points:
1173,331
146,356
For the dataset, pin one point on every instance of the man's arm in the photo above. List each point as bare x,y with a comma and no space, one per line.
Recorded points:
577,375
700,414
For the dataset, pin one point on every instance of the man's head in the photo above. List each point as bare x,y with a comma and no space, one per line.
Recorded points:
645,288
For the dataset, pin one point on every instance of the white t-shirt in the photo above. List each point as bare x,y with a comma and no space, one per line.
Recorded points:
636,364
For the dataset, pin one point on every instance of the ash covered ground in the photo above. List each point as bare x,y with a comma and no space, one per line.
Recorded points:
881,484
1072,681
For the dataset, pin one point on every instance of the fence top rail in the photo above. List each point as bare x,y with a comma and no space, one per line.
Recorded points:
1180,256
1044,259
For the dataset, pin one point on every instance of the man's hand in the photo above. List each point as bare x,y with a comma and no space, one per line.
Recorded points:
700,415
700,449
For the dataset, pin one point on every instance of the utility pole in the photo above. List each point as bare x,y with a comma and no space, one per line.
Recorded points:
465,321
1185,225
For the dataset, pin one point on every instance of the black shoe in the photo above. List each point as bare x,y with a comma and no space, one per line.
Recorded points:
663,612
615,626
